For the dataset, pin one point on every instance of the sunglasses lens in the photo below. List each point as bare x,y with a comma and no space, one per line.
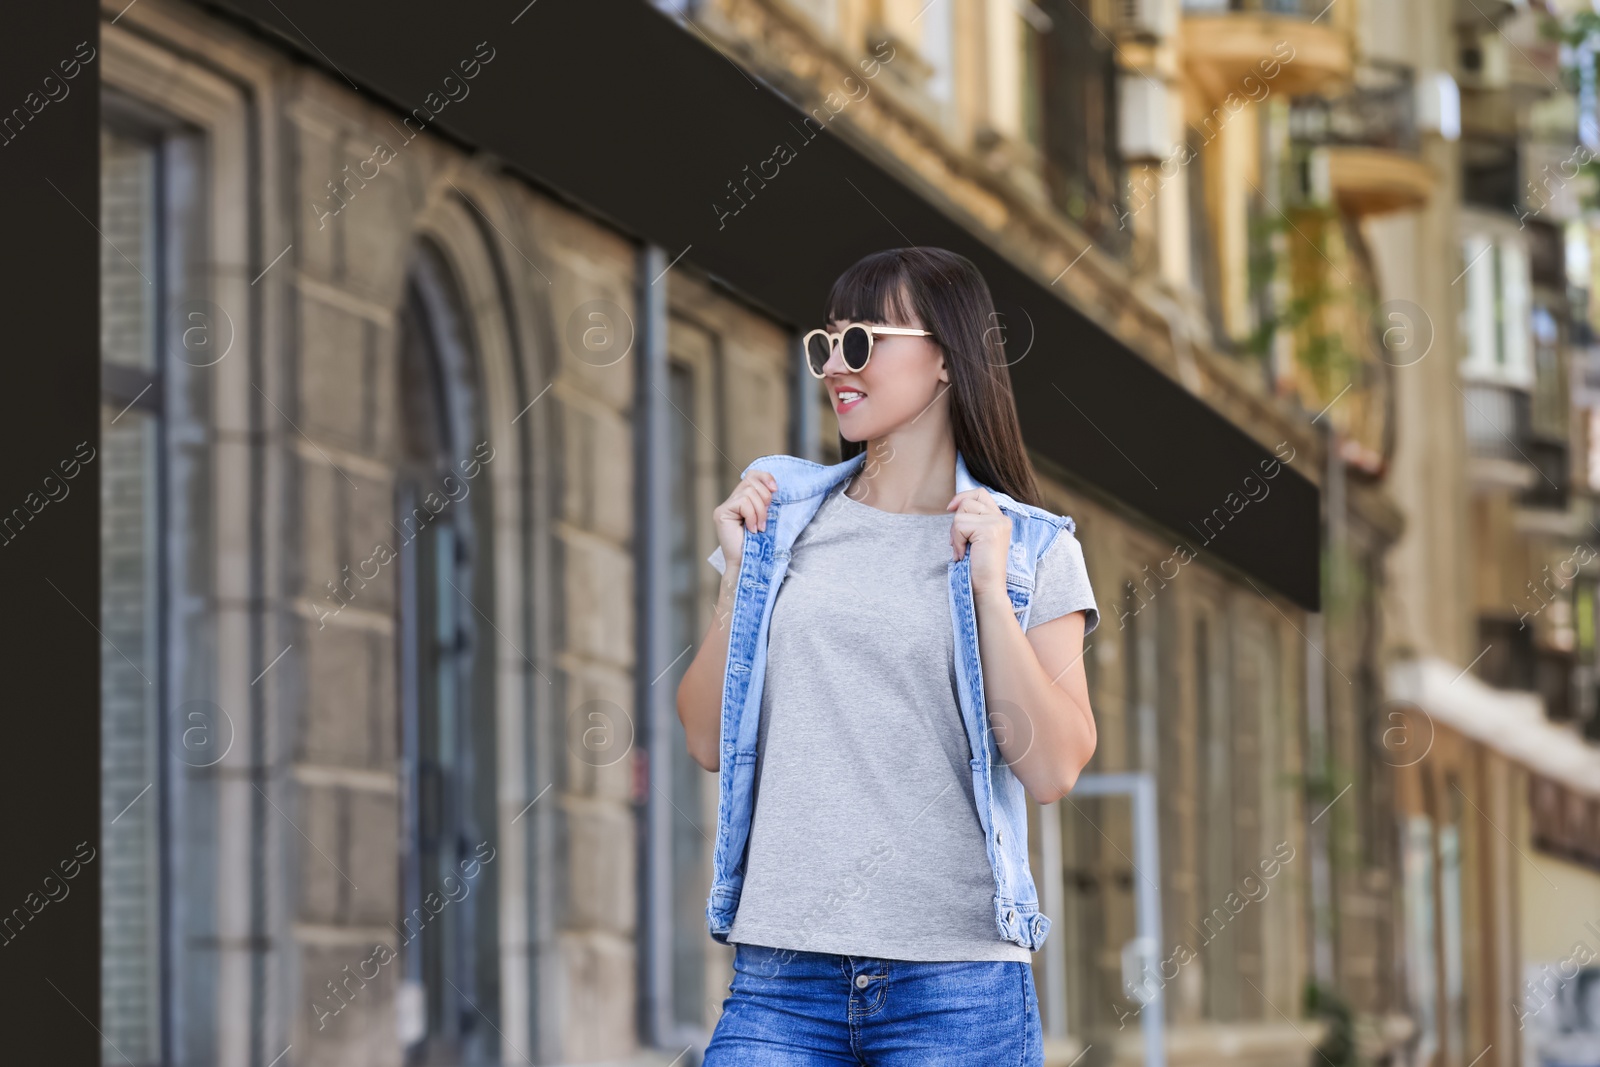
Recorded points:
817,346
857,344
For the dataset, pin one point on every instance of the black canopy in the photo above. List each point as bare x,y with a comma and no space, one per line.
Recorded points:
615,106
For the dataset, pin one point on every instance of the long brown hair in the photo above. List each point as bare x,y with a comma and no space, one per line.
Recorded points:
951,298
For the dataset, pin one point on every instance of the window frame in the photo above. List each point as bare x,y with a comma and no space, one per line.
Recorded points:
1497,314
157,71
148,392
435,289
693,347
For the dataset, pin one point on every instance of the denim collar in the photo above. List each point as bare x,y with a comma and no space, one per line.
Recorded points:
802,478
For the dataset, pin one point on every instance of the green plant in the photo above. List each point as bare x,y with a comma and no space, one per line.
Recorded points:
1321,352
1577,29
1338,1047
1346,583
1320,789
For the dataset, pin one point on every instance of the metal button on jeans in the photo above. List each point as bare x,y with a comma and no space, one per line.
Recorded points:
861,981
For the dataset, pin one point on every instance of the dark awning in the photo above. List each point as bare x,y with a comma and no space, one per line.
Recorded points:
617,107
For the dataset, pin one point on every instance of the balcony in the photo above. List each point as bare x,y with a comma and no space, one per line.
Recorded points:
1552,485
1498,420
1366,143
1475,13
1226,42
1516,660
1303,9
1077,122
1490,170
1535,180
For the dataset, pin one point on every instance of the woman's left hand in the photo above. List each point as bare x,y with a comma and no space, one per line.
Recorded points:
980,527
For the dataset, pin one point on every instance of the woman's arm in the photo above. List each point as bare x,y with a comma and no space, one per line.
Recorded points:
700,692
1037,695
1033,683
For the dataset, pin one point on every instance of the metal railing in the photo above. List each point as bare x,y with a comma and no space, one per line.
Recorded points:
1141,957
1552,487
1491,172
1499,425
1497,420
1306,9
1375,117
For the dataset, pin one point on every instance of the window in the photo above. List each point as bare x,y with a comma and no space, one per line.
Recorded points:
449,998
1548,417
1030,61
1141,680
164,737
683,975
132,679
1497,312
1214,749
938,48
1004,35
1421,957
1255,765
690,844
1078,121
1450,921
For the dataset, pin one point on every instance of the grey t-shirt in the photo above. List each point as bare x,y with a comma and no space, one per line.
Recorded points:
865,837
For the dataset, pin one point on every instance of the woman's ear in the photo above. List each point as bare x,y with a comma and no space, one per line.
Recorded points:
944,369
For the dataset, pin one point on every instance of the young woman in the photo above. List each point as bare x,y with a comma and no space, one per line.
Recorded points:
894,667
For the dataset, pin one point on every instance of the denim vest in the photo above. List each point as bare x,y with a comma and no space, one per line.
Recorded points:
1001,799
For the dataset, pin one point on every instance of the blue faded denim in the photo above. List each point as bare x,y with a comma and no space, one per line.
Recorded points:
1000,797
788,1008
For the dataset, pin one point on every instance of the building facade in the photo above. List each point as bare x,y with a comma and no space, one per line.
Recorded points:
1489,672
384,781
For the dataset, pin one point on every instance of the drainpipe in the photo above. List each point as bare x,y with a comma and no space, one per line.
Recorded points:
652,707
1322,912
805,435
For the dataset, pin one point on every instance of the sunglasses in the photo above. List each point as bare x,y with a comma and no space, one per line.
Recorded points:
855,344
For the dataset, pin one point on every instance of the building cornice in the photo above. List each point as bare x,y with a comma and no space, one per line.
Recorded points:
781,47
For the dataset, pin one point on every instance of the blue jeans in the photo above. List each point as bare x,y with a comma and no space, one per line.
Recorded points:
792,1009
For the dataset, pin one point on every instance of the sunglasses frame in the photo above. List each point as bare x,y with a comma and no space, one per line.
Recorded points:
838,339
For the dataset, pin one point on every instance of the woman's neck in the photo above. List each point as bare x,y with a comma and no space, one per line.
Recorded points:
908,476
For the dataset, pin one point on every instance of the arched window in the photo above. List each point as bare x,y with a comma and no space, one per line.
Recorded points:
449,1001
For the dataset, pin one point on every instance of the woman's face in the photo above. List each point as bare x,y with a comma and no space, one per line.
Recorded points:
903,377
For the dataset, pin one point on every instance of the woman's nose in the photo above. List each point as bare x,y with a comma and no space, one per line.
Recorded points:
836,363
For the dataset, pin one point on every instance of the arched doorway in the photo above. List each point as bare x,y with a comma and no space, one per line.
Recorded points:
450,993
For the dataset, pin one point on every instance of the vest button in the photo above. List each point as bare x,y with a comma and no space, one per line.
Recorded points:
861,981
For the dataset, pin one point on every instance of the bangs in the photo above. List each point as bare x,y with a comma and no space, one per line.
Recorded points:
946,295
876,289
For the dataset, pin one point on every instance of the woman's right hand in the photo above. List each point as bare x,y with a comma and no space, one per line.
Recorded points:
745,508
700,691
